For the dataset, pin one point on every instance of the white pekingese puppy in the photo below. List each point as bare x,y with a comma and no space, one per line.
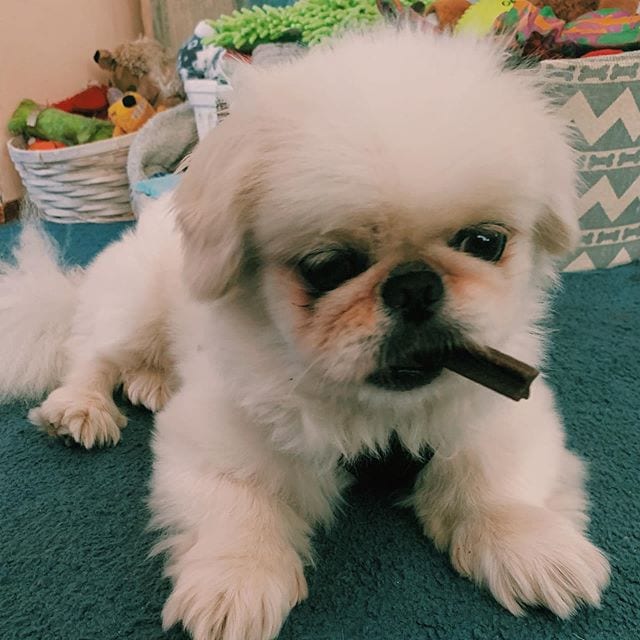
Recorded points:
363,211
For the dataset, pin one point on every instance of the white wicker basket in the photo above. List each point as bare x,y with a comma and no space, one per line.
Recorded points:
83,183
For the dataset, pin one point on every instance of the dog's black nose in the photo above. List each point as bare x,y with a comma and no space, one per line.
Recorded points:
414,290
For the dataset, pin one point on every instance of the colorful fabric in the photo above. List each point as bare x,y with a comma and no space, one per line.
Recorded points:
527,19
604,28
540,33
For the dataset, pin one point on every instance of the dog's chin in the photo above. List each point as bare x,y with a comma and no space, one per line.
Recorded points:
414,372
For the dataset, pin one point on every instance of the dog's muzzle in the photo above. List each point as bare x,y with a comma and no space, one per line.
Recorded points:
413,354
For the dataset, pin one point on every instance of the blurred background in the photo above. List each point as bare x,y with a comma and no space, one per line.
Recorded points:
47,47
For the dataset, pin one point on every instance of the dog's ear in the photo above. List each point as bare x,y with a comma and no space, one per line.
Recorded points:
557,230
214,202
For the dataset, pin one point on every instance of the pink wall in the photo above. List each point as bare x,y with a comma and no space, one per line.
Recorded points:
46,54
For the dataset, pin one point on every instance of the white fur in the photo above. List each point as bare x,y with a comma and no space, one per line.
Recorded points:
393,131
37,300
117,331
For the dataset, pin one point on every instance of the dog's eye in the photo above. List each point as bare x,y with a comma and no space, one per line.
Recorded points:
486,244
328,269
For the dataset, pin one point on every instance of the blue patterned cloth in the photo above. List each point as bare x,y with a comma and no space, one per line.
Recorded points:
199,61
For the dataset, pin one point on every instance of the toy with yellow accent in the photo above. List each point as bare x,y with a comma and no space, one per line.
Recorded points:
129,113
146,67
478,16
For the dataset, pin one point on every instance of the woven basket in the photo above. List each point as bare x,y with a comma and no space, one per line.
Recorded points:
84,183
600,97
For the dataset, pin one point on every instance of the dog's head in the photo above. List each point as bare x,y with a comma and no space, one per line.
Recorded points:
388,197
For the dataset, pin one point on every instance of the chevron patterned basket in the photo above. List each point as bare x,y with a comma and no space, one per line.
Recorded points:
601,98
84,183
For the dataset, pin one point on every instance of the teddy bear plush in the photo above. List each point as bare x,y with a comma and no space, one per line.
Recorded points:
145,67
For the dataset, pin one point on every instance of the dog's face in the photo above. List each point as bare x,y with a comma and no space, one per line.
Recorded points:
382,302
382,218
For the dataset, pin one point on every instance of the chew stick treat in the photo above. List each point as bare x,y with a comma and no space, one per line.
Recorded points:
494,370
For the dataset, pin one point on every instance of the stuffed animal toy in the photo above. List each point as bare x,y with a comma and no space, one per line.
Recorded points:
130,113
145,67
31,119
92,101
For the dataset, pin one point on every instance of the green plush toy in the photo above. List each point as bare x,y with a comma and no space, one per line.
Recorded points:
31,119
306,22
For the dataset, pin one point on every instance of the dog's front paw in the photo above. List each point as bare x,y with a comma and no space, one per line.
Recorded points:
530,556
147,387
235,598
88,417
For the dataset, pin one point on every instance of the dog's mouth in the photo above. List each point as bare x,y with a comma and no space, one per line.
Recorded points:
416,370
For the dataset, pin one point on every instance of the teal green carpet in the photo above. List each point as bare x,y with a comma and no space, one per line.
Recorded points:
73,547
